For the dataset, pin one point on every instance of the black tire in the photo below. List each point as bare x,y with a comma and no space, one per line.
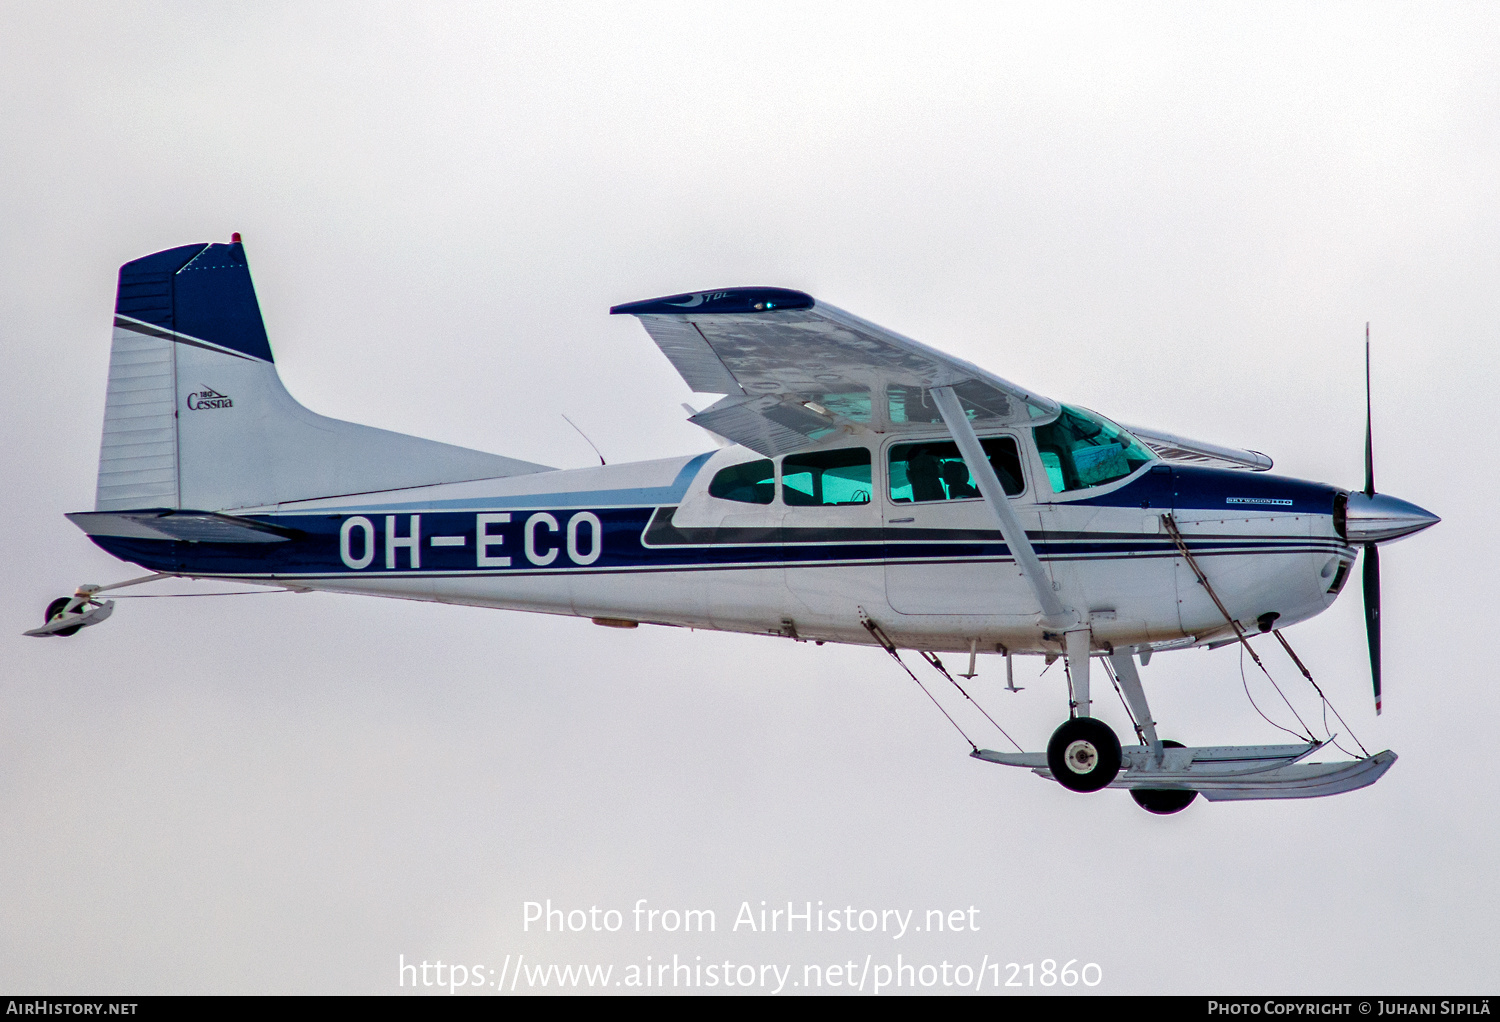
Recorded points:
1084,754
1164,801
54,609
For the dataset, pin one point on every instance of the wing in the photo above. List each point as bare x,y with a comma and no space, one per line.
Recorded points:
1197,452
795,370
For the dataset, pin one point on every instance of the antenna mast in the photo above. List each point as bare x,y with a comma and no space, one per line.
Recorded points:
585,436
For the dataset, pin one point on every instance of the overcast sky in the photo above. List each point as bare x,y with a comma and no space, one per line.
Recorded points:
1181,215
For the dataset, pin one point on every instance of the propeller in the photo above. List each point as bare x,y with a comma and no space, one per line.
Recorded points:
1372,518
1372,552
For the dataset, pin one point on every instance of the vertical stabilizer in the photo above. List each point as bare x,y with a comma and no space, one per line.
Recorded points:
196,416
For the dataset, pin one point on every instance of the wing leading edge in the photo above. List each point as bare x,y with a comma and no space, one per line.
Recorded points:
794,370
1171,447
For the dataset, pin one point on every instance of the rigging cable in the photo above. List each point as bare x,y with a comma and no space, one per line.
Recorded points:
1246,682
180,596
890,647
932,659
1327,705
1239,633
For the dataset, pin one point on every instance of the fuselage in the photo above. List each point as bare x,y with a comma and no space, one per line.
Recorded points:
807,548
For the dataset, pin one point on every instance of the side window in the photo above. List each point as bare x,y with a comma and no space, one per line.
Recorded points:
753,482
934,470
826,478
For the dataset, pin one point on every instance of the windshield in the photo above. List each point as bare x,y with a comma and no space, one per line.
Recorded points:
1080,449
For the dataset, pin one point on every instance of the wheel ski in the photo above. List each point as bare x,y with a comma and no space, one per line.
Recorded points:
1226,773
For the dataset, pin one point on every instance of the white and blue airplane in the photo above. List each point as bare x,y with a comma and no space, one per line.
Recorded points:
869,489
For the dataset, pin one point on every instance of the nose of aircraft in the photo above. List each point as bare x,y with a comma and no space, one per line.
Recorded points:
1377,518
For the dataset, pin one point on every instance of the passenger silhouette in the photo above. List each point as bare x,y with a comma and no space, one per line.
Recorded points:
923,472
956,475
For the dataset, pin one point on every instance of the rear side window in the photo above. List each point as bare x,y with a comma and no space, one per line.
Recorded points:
826,478
934,470
753,482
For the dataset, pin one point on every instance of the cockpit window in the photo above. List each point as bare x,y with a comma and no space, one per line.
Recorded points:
1080,449
934,470
753,482
826,478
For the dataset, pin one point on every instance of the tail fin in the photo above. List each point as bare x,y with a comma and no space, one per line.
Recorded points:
196,416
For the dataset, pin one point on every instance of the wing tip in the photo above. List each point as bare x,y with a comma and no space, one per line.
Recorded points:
730,301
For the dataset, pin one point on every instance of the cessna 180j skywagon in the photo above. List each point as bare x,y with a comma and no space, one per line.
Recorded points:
870,490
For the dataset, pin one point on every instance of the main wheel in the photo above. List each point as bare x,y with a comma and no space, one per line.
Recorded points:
1084,754
1163,801
54,609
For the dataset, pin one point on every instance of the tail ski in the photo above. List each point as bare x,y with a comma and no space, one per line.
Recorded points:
196,415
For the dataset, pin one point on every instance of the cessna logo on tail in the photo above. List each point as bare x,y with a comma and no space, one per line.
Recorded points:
208,398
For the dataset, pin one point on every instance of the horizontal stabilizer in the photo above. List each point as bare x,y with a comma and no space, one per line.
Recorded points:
182,526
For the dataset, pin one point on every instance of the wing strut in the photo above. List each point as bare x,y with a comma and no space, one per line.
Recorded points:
1054,614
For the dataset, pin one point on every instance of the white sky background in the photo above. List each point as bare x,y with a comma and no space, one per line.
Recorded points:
1179,215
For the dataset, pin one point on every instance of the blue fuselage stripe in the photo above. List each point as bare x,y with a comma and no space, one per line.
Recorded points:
536,540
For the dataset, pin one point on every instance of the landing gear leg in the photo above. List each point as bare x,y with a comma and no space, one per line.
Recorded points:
1084,753
1135,698
1076,647
1161,801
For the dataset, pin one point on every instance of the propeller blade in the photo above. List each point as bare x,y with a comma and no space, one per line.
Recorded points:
1372,615
1369,434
